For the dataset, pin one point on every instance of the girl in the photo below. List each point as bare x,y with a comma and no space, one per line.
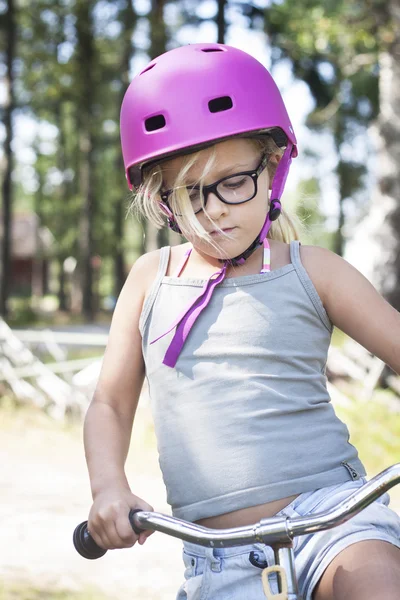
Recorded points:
232,331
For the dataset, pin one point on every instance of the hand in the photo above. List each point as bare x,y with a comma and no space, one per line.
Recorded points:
108,522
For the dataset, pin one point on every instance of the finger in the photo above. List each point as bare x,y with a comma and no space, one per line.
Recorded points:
114,537
125,532
144,535
100,538
105,535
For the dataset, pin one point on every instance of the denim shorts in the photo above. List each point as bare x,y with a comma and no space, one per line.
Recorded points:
228,574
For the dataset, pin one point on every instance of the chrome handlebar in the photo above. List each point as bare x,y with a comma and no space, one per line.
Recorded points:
273,531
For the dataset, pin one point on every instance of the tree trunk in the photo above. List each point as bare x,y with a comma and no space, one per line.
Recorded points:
64,198
388,273
86,57
6,245
339,135
158,35
128,20
62,295
221,22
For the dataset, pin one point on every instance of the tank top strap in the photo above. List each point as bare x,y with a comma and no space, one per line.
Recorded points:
295,253
151,296
308,284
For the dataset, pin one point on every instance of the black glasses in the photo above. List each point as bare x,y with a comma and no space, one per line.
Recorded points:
233,189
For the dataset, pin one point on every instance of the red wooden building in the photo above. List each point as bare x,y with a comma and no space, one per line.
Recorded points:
30,255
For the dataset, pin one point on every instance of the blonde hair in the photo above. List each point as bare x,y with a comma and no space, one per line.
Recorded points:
147,200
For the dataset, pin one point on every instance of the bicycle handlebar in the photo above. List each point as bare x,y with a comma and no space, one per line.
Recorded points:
271,531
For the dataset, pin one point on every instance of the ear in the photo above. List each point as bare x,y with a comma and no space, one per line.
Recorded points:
273,162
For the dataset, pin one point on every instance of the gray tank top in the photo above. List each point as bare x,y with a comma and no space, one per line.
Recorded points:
245,417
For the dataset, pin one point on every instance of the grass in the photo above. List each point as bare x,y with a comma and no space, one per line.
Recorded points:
25,591
374,427
338,338
374,423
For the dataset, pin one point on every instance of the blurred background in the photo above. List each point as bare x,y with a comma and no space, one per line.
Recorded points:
68,242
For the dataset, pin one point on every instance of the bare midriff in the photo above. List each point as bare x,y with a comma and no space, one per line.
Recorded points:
246,516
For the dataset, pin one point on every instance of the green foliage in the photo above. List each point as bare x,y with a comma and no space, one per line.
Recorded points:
314,231
21,312
333,47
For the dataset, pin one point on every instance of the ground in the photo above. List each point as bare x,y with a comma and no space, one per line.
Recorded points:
45,493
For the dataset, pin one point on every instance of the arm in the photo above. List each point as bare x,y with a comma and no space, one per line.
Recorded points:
353,304
109,419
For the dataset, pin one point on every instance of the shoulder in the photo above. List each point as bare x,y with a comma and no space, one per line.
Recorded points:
131,298
149,260
143,272
331,274
321,265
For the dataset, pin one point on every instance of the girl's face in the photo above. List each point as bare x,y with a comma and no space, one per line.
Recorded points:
241,222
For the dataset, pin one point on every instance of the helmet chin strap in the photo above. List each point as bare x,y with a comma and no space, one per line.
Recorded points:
273,214
275,207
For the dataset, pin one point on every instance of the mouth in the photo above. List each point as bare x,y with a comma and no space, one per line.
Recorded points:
224,230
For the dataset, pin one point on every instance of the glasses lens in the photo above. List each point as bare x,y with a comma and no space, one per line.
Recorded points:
237,188
196,199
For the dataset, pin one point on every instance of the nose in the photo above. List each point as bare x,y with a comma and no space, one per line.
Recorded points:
215,207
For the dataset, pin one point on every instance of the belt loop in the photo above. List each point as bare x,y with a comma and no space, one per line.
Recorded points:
216,566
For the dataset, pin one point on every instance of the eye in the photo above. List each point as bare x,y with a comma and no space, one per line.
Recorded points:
194,194
234,183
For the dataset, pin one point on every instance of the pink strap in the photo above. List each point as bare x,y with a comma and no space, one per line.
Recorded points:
182,263
186,320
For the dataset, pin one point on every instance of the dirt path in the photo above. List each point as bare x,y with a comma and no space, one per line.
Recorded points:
44,494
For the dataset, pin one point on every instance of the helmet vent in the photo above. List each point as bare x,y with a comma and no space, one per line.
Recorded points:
220,104
147,69
211,50
154,123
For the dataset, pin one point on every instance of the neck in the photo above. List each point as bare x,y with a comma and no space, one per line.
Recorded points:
251,264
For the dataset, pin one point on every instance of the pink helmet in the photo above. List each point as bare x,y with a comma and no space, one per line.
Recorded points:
194,95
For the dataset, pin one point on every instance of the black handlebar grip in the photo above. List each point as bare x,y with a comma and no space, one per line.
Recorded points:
132,513
85,544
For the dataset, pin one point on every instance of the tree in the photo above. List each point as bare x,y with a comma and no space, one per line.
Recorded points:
382,225
86,82
337,61
358,46
9,27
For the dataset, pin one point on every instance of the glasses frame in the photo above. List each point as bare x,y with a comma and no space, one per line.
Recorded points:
212,188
